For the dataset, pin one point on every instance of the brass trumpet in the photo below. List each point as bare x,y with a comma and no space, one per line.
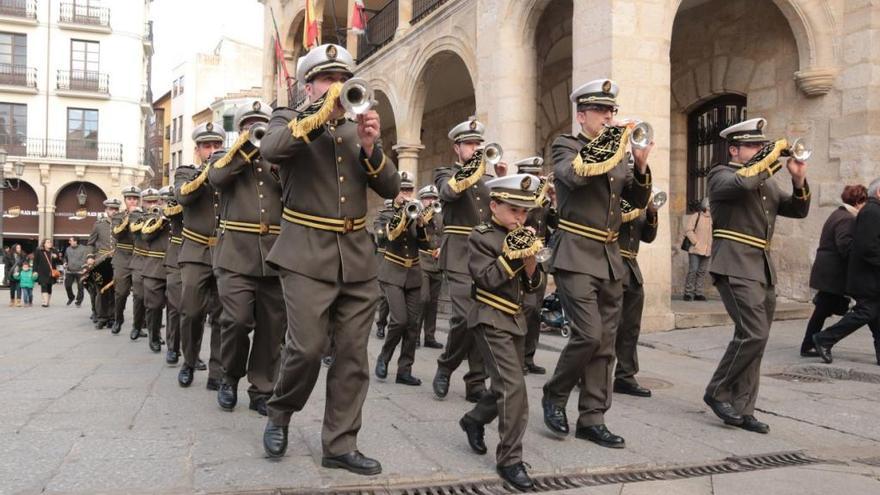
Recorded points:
658,197
256,133
493,152
356,96
642,134
798,149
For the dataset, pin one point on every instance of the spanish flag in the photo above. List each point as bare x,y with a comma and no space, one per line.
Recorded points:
312,25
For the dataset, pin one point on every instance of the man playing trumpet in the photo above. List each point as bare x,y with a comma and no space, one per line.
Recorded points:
591,177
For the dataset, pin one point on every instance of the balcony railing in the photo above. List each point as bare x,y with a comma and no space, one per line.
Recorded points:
18,75
81,80
88,15
380,30
421,8
75,149
26,9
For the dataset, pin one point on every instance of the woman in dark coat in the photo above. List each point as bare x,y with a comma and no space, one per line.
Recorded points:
45,260
13,260
828,275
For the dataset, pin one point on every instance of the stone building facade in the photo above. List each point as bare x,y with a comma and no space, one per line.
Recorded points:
688,67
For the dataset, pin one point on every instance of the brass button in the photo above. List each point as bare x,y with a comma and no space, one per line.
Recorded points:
341,179
338,159
612,195
216,205
259,169
764,198
342,199
261,196
332,128
611,179
260,183
262,210
339,140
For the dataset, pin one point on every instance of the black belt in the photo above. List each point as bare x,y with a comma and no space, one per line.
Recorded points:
606,236
199,238
748,240
338,225
400,260
250,228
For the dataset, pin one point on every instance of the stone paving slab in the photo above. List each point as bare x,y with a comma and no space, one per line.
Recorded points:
88,412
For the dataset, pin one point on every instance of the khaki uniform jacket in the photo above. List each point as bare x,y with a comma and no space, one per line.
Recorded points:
642,228
101,239
174,214
325,177
466,210
135,223
400,264
744,204
500,283
124,240
434,229
250,212
592,202
156,235
200,210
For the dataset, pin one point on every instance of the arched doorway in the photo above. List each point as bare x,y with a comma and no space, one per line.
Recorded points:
711,85
76,208
448,95
21,217
553,44
389,140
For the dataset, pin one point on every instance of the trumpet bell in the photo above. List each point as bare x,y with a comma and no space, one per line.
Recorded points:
493,153
356,96
642,135
544,254
800,150
257,131
436,207
413,209
658,198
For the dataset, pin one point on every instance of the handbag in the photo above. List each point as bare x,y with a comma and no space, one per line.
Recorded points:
686,243
55,273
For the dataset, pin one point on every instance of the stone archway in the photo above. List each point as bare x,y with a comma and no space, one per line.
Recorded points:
73,217
553,39
21,215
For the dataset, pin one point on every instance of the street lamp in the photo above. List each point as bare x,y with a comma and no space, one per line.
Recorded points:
18,170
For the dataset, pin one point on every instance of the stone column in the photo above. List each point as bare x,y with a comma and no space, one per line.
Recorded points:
46,211
404,16
622,40
408,159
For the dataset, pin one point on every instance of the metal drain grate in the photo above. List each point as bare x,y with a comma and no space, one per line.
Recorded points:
794,377
568,481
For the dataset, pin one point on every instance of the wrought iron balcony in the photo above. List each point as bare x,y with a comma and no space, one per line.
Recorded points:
18,75
421,9
380,30
81,80
75,149
26,9
87,15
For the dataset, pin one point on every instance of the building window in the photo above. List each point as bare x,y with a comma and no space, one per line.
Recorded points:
13,128
82,133
85,59
180,86
174,130
13,49
167,132
180,128
705,146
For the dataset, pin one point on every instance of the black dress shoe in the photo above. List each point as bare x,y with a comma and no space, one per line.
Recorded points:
810,353
69,301
516,475
135,333
440,385
823,350
535,369
475,432
259,405
699,298
622,387
433,344
688,298
156,345
116,328
354,462
200,365
474,397
99,325
213,384
407,379
185,376
227,396
275,440
380,333
554,417
752,424
381,368
600,435
172,357
723,410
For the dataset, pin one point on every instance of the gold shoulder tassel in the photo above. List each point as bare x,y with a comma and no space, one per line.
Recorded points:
152,224
542,191
516,254
225,159
765,162
599,168
302,126
137,226
122,226
196,183
397,230
170,211
466,182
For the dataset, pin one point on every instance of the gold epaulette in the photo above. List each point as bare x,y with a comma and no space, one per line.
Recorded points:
152,224
122,226
137,226
398,230
631,215
300,127
460,185
235,148
194,184
592,169
767,162
170,211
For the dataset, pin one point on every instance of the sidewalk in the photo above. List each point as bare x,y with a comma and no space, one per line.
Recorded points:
86,412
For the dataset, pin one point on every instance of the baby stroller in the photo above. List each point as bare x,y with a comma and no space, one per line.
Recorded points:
553,317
